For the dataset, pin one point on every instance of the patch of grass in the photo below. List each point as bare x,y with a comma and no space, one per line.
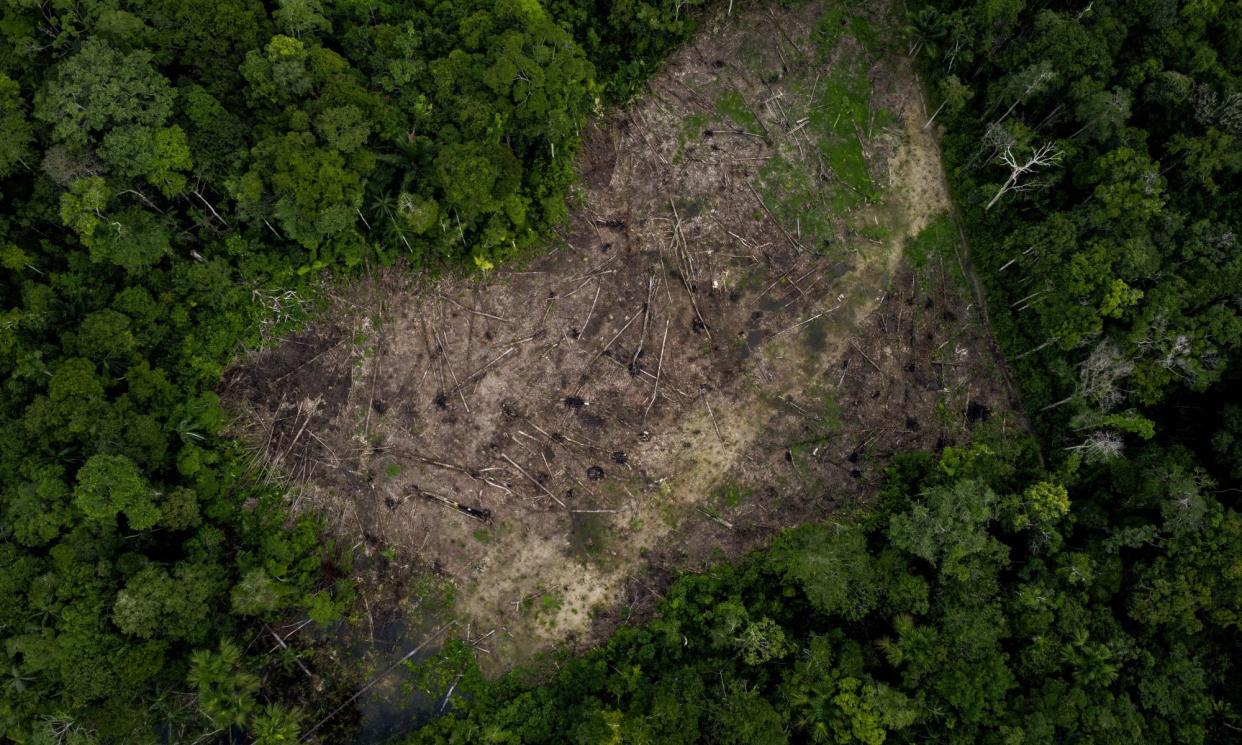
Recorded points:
803,204
692,128
432,594
588,536
669,514
841,19
731,105
812,192
843,110
829,414
939,240
832,24
882,118
483,535
803,454
731,493
392,470
876,233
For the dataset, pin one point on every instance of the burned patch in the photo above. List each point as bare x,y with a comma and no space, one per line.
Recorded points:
726,316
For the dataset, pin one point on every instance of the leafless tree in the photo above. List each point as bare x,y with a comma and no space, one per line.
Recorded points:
1101,445
1044,156
1100,374
1099,377
1185,506
1170,346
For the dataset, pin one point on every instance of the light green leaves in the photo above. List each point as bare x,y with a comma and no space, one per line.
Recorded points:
100,90
111,484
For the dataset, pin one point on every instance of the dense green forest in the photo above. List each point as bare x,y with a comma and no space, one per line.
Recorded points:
176,177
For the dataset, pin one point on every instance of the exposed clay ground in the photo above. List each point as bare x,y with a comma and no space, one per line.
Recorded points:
680,380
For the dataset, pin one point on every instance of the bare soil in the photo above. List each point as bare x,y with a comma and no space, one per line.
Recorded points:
676,381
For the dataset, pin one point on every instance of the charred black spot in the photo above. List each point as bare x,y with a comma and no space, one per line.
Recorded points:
595,473
620,458
574,402
977,412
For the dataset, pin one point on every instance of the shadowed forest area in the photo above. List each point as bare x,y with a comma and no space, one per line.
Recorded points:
636,372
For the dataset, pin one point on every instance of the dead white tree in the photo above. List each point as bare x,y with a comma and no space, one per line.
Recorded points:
1101,445
1170,346
1099,379
1046,155
1101,374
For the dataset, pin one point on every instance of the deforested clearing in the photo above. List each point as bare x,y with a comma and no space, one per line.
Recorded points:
759,296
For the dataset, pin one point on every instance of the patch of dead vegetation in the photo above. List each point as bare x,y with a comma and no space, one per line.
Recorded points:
685,377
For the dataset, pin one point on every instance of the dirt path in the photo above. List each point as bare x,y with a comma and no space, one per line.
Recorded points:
728,343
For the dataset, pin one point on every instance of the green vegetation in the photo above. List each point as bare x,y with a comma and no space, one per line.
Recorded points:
1112,268
731,494
174,177
841,119
820,176
940,242
731,105
846,18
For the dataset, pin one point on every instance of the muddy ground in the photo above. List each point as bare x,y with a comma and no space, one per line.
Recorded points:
729,340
